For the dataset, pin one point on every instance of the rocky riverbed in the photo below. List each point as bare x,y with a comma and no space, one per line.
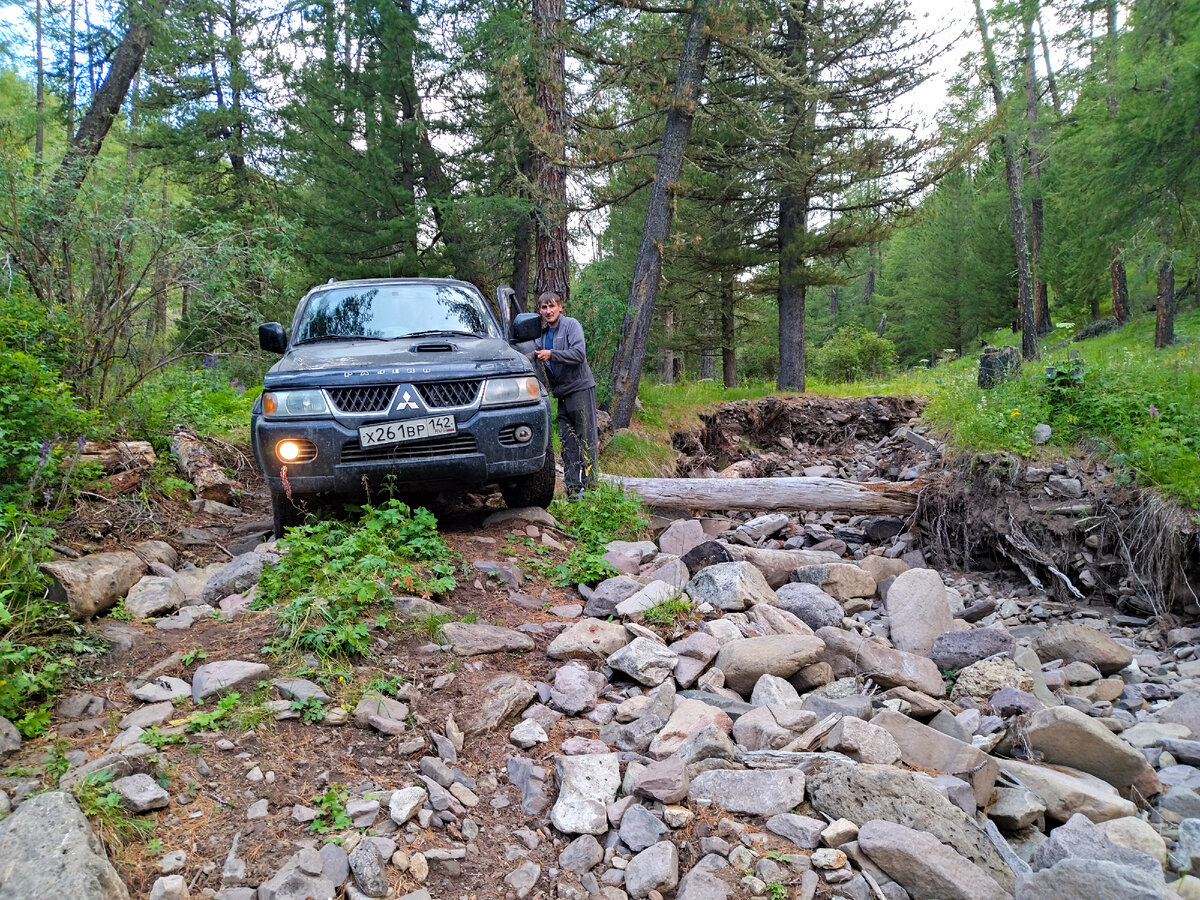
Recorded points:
830,718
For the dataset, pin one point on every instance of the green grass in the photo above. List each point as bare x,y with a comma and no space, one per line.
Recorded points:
668,612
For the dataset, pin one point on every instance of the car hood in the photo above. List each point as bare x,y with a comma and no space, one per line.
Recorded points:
409,360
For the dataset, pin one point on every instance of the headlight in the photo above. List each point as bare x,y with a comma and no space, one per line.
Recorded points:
281,404
511,390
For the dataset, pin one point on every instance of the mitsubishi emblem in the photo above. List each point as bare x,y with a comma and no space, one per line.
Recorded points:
407,402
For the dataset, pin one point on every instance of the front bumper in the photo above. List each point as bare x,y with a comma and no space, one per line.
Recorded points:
482,451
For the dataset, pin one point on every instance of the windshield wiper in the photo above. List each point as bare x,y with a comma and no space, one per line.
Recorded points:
432,331
341,337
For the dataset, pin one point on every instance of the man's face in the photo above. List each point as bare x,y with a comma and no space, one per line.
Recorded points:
550,311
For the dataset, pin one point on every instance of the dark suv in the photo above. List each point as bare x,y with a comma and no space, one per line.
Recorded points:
410,382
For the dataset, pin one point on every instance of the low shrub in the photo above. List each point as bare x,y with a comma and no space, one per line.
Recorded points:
851,354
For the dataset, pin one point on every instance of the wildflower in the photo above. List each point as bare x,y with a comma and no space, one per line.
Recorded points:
79,442
1015,412
1154,412
210,360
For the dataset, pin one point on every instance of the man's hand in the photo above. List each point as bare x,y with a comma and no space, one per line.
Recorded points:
542,355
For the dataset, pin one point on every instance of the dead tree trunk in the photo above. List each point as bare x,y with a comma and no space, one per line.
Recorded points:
728,330
207,478
1015,179
825,494
647,271
1164,310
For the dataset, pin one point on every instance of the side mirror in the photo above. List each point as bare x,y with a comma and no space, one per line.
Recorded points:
272,337
526,327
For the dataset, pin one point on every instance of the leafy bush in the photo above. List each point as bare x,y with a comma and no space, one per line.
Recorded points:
604,513
206,397
334,572
853,353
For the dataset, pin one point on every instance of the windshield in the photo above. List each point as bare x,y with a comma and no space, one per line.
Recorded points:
386,311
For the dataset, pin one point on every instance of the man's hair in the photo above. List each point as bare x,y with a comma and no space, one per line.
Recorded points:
549,297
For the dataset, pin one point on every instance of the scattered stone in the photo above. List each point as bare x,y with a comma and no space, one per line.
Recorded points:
152,596
141,793
1081,643
587,785
472,640
218,677
502,697
811,605
745,661
841,581
730,585
303,875
645,661
654,869
754,792
589,639
959,649
925,866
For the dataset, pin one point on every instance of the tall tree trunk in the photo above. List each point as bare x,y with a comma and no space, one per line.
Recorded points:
522,242
71,93
647,270
728,330
708,363
1051,80
666,356
1041,293
1164,310
834,298
551,267
1120,283
1120,287
872,269
39,140
794,207
1015,179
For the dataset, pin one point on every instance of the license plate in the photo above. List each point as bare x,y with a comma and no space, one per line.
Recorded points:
406,430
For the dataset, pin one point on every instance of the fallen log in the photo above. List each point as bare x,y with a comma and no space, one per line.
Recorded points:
91,584
207,478
119,456
824,494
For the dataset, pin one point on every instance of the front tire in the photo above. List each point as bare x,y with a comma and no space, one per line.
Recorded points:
535,489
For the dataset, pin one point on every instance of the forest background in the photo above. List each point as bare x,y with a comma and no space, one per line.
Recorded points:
755,192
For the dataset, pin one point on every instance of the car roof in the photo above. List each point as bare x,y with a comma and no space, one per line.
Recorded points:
359,282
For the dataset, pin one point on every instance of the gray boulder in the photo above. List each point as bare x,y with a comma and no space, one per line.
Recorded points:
302,876
654,869
472,640
810,605
645,661
502,697
959,649
745,661
923,865
48,849
589,639
238,575
754,792
587,785
226,675
1090,879
1081,643
140,793
730,586
918,612
153,595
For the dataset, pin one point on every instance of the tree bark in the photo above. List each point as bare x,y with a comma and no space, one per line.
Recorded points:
728,330
647,271
197,463
826,494
1164,309
552,266
522,242
666,356
1016,204
39,139
708,364
1041,293
794,206
1120,287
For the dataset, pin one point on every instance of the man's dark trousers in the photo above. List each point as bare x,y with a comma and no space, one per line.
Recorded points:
580,440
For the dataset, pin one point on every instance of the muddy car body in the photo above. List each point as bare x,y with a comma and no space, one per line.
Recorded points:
401,382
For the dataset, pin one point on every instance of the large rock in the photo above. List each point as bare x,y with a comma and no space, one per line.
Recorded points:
1185,711
695,652
226,675
862,741
771,727
918,612
654,869
48,849
503,697
472,640
140,793
959,649
1081,839
573,692
651,595
645,661
754,792
681,536
376,705
862,793
1080,643
1067,736
587,784
689,717
852,654
236,576
810,605
747,660
981,680
589,639
924,866
926,748
602,600
153,594
1067,791
841,581
730,586
1090,879
302,876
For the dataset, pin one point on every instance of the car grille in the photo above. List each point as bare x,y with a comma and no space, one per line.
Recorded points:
446,394
371,398
453,445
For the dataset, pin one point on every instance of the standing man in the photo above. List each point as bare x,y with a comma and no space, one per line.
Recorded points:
562,349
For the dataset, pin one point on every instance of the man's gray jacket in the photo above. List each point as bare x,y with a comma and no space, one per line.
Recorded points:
568,368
